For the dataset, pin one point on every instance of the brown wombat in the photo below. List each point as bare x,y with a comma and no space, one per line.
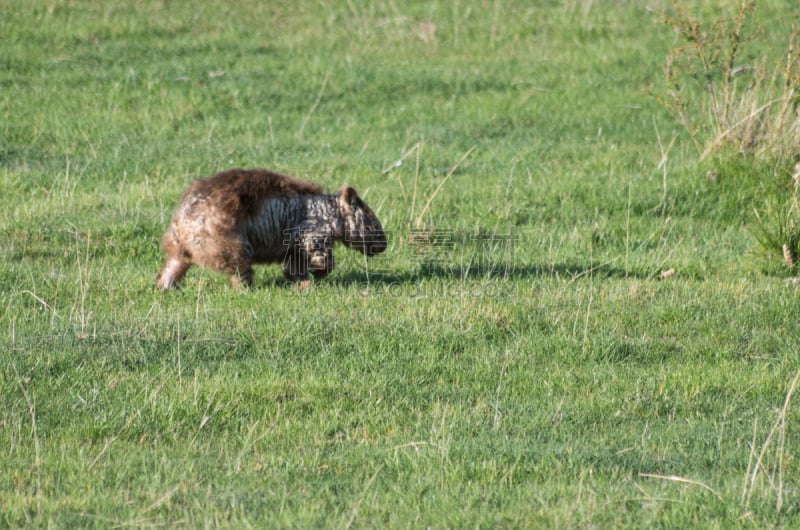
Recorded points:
240,217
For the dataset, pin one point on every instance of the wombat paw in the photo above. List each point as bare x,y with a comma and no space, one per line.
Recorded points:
302,285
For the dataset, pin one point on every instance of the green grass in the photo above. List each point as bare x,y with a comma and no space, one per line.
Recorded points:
546,378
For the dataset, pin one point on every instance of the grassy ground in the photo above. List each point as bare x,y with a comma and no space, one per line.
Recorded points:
528,367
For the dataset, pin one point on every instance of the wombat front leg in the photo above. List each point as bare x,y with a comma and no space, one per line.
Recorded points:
310,249
317,245
320,257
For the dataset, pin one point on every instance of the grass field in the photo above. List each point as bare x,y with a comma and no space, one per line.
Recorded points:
533,363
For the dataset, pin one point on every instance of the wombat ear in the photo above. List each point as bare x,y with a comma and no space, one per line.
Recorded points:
348,195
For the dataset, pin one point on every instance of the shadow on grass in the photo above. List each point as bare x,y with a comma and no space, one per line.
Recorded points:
572,271
349,276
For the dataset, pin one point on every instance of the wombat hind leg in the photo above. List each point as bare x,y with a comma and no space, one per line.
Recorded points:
173,272
242,278
295,266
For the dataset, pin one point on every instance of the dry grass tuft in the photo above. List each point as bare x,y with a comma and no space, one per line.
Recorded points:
724,102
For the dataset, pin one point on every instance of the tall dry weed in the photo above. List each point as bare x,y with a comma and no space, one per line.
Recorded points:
735,96
727,90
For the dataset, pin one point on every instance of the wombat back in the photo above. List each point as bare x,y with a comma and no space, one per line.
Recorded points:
239,193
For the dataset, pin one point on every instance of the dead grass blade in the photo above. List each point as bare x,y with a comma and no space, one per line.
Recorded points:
453,169
683,480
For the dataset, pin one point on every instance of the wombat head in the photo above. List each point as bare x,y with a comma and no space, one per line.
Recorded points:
362,230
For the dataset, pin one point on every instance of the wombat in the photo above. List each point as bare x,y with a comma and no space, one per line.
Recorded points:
241,217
